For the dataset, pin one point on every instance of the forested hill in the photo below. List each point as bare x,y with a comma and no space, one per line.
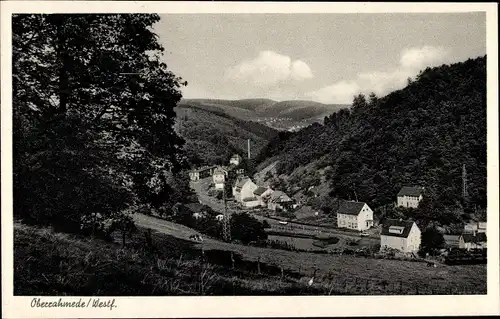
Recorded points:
212,136
420,135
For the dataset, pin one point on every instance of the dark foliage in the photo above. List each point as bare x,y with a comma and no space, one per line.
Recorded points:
93,108
420,135
246,228
431,241
212,136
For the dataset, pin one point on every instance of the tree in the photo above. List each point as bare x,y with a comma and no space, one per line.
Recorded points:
431,240
93,115
246,228
359,102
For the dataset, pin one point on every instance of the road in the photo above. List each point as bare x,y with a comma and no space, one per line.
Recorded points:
201,186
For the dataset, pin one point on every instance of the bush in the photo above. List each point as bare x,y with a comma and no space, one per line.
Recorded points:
432,240
246,228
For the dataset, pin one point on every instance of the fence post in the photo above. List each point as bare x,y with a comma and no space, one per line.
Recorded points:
232,260
258,265
366,287
400,287
281,278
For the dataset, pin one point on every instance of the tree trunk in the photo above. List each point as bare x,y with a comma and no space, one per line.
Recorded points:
63,57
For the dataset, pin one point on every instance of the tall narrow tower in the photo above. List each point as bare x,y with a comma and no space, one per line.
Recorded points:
248,142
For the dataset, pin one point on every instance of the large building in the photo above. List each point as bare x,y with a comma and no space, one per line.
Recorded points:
400,235
202,172
243,189
410,196
354,215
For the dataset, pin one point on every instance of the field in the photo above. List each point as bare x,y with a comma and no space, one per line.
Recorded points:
48,263
346,268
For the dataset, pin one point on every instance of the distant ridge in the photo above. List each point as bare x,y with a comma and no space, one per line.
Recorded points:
259,108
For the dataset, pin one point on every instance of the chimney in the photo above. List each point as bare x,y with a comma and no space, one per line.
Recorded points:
248,141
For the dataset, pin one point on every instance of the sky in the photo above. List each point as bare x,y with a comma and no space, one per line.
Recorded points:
327,58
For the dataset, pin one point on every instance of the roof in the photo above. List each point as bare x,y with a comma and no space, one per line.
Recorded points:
203,168
351,208
279,197
478,238
236,156
259,191
411,191
220,170
404,224
239,183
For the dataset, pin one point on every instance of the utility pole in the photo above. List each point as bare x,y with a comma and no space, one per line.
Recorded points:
226,226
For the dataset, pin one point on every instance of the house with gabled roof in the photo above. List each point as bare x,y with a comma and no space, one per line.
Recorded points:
354,215
235,160
278,200
219,177
262,194
472,241
401,235
475,227
410,196
244,188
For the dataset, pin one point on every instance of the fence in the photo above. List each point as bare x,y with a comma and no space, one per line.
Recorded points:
327,283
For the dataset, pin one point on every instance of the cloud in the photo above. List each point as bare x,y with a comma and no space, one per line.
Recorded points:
269,68
418,58
412,60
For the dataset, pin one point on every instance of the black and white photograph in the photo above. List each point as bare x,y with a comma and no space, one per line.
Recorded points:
198,154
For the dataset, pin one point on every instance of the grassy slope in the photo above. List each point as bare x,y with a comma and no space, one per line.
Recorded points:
48,263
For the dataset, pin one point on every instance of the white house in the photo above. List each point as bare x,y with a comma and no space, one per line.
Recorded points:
235,160
278,200
354,215
244,188
262,194
472,241
401,235
219,177
475,227
202,172
410,196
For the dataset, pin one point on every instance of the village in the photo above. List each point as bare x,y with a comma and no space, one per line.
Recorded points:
353,221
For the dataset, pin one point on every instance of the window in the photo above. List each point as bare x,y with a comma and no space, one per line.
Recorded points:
396,229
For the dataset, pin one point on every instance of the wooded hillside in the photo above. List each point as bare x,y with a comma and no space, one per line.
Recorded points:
213,136
420,135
